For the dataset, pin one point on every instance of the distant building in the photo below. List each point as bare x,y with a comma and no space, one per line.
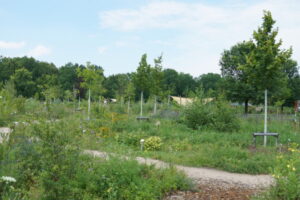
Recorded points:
185,101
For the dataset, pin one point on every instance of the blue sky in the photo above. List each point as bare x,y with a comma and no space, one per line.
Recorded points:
114,34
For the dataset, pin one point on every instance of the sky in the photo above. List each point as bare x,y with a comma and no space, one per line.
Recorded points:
190,34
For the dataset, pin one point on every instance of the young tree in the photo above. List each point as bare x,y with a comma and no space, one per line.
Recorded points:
51,93
68,95
141,79
157,78
265,63
93,78
129,94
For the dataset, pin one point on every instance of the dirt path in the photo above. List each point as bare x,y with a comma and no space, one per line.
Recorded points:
207,176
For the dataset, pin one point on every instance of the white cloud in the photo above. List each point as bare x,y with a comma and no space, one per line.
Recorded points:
11,45
39,51
161,15
200,32
101,50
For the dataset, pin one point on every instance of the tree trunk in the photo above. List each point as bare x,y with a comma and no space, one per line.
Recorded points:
246,106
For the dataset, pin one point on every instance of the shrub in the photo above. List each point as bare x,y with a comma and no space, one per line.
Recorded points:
153,143
217,115
225,118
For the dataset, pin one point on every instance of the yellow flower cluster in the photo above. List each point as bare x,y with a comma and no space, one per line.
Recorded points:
103,132
290,166
294,150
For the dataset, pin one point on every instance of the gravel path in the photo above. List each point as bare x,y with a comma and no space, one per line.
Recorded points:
206,175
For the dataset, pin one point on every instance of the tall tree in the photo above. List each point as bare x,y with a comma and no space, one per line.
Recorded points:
209,82
291,69
185,84
67,76
22,79
170,79
265,63
39,71
236,80
116,85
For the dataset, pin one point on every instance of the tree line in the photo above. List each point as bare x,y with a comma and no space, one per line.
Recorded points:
247,69
36,79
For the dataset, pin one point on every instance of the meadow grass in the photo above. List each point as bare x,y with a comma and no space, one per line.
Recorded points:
232,151
111,129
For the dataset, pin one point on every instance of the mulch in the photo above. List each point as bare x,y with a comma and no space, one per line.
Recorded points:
213,192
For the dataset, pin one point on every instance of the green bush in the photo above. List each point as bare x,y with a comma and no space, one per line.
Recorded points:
47,163
153,143
217,115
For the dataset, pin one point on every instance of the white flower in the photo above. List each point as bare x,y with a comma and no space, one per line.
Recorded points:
8,179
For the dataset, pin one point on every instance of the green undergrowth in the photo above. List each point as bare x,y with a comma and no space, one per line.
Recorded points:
44,153
230,151
46,161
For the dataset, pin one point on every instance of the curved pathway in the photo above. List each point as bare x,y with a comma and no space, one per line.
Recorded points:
205,175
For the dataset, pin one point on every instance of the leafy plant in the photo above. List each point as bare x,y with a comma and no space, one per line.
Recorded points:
287,175
153,143
216,115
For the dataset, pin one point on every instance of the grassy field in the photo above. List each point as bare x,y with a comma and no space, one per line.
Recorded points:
65,132
199,148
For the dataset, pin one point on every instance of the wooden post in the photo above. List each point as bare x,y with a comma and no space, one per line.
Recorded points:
128,106
79,103
122,101
141,114
180,100
154,110
99,101
89,105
